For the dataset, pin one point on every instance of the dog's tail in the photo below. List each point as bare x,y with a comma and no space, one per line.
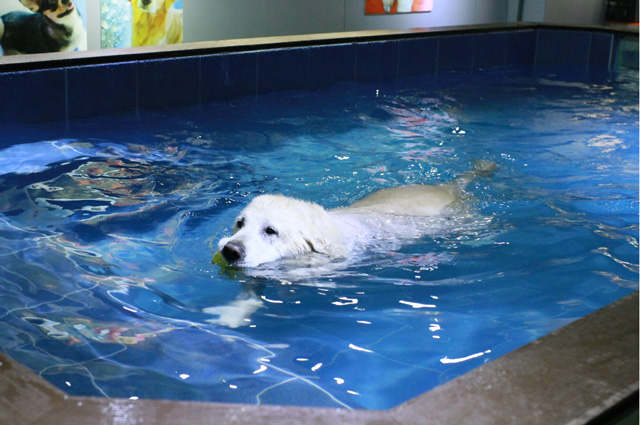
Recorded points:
481,168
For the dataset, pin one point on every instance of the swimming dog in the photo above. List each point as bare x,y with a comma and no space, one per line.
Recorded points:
273,227
52,26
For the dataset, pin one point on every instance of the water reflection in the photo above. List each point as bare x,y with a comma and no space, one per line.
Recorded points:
105,245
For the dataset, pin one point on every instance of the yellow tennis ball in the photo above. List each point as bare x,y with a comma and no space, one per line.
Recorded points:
218,260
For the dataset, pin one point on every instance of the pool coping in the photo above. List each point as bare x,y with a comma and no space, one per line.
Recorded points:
577,374
112,55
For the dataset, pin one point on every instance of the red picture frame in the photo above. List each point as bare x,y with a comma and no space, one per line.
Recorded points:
390,7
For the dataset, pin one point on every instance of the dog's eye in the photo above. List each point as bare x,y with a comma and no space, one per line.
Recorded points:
270,231
240,223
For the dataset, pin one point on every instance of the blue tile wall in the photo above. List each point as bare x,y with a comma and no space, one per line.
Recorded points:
286,69
60,95
376,61
600,52
332,64
456,53
490,50
228,76
418,56
101,89
167,83
564,50
30,97
521,48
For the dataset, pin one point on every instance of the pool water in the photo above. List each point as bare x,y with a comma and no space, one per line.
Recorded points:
107,231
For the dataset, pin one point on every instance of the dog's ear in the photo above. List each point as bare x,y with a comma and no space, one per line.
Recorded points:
312,247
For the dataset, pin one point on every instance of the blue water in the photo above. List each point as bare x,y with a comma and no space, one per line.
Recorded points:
107,229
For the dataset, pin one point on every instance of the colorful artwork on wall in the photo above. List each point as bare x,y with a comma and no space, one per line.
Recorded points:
42,26
379,7
127,23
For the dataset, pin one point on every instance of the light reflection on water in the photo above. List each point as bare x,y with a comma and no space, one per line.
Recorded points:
107,288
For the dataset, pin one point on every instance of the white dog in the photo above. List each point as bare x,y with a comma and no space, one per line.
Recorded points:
276,227
273,227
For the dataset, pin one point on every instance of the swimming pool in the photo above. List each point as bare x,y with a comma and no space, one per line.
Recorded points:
108,234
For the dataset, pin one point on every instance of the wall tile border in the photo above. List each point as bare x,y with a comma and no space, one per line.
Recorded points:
144,82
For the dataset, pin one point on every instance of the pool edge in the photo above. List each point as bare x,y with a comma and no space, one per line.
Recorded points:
573,375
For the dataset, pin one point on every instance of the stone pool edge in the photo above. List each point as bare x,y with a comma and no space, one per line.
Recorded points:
574,375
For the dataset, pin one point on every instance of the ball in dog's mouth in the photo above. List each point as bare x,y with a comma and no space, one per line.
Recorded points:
219,260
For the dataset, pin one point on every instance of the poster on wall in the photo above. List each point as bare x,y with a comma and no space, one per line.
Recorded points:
127,23
379,7
42,26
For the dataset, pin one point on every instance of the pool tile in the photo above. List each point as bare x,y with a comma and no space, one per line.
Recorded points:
332,64
600,52
32,96
101,89
456,53
168,82
283,70
600,56
490,50
376,61
417,56
564,50
227,76
521,48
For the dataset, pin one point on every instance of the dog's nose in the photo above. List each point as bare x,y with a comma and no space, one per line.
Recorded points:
233,251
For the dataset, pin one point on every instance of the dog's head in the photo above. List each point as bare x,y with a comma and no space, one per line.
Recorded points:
272,227
53,9
150,6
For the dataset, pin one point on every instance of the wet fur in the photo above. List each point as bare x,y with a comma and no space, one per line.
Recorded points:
273,227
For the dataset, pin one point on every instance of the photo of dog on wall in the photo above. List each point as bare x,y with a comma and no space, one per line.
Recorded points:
42,26
379,7
131,23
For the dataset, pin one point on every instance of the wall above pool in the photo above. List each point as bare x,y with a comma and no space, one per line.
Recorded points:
51,88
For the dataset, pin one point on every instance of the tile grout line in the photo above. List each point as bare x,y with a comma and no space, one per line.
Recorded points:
66,100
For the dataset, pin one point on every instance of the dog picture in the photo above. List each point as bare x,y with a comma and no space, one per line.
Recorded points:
375,7
155,22
44,26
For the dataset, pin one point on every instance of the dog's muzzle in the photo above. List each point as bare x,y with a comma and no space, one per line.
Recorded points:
233,251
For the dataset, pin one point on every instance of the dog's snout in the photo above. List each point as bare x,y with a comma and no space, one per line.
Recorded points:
233,251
